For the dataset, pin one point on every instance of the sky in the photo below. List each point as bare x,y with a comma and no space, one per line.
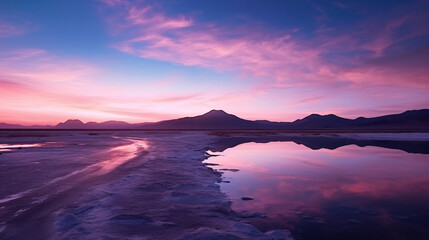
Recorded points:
143,61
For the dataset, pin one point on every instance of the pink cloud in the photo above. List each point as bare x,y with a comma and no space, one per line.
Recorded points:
141,16
112,2
281,59
37,87
377,50
20,54
33,89
8,29
37,66
297,75
350,72
180,40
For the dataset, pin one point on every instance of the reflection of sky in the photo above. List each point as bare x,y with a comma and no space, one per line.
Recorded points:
9,147
122,154
288,181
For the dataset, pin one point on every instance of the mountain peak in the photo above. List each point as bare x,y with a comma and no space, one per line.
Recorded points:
215,112
314,115
71,123
75,121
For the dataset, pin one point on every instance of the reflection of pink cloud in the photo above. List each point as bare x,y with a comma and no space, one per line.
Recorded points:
360,178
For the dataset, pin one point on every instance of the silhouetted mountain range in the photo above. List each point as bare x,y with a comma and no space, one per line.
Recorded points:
218,119
77,124
215,119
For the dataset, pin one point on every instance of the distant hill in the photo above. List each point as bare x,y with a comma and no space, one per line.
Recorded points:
18,126
214,119
110,125
410,120
316,121
219,119
414,119
71,124
7,125
77,124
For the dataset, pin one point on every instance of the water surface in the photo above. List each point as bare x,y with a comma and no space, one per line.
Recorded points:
348,193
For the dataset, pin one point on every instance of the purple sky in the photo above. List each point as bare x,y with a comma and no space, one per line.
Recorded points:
143,61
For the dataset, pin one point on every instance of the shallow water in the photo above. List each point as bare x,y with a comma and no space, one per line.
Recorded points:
39,176
348,193
153,185
114,185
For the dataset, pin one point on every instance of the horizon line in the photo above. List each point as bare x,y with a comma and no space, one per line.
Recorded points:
77,119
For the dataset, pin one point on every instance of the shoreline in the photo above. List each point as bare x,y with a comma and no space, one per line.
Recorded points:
223,131
165,193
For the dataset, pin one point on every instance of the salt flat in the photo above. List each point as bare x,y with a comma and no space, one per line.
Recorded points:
115,185
143,185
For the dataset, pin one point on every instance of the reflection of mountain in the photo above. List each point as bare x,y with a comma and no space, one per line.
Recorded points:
348,193
319,142
218,119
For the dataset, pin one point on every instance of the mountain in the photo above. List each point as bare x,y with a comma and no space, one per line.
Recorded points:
71,124
7,125
412,119
18,126
109,125
214,119
409,120
219,119
316,121
77,124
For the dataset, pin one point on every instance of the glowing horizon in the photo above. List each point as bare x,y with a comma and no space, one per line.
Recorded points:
145,61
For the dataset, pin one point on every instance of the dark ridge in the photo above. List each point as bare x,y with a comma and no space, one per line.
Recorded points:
411,120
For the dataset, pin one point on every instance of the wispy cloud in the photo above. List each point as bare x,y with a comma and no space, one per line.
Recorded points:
372,66
181,40
37,86
282,57
8,29
38,66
